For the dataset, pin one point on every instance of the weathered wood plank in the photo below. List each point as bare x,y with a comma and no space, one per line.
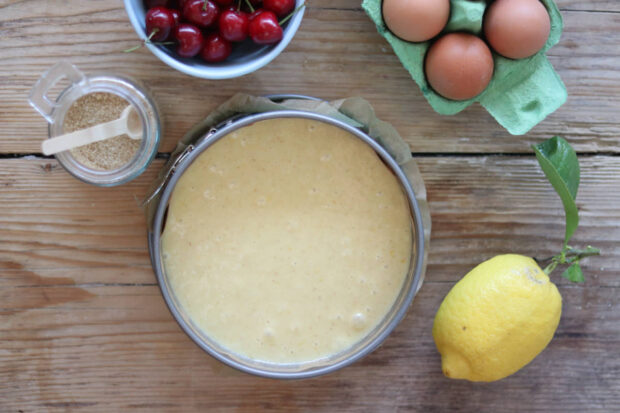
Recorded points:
54,226
119,349
52,223
583,5
336,53
492,205
589,5
83,326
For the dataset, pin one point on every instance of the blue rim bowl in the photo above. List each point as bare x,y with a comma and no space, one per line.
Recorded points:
246,57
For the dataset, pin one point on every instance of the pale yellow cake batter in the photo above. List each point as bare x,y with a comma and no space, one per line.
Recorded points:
287,241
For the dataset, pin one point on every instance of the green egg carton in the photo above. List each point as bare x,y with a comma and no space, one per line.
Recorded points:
521,93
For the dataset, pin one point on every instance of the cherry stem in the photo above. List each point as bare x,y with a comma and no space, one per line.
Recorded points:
133,49
249,5
204,5
148,40
239,5
291,14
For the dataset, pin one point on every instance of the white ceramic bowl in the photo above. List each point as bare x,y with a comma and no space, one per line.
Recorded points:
246,57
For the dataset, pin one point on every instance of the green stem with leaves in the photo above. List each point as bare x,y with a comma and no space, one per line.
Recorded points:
571,256
559,162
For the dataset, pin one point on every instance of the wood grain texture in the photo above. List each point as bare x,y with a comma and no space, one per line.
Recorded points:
120,351
590,5
581,5
336,53
83,326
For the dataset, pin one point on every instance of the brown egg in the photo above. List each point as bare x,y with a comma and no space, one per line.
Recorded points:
416,20
459,66
517,28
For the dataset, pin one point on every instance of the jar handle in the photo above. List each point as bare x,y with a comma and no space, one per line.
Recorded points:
38,98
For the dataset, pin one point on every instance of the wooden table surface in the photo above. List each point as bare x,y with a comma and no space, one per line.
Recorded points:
83,326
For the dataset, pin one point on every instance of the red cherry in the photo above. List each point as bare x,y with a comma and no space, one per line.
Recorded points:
159,23
255,13
177,17
234,25
224,3
190,40
280,7
264,28
182,4
200,12
216,48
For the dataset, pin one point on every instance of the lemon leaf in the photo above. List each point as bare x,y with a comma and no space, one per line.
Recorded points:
574,273
558,161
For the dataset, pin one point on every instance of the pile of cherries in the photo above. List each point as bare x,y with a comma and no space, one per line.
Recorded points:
209,27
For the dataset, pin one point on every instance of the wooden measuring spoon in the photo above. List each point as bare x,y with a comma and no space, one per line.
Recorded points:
128,124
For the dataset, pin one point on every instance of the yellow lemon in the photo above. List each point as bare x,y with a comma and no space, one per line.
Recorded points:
496,319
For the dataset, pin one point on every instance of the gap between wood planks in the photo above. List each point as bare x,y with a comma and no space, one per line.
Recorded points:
166,155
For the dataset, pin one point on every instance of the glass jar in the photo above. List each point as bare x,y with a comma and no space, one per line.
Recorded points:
55,111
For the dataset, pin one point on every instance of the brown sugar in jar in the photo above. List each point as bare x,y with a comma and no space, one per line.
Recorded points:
97,99
92,109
